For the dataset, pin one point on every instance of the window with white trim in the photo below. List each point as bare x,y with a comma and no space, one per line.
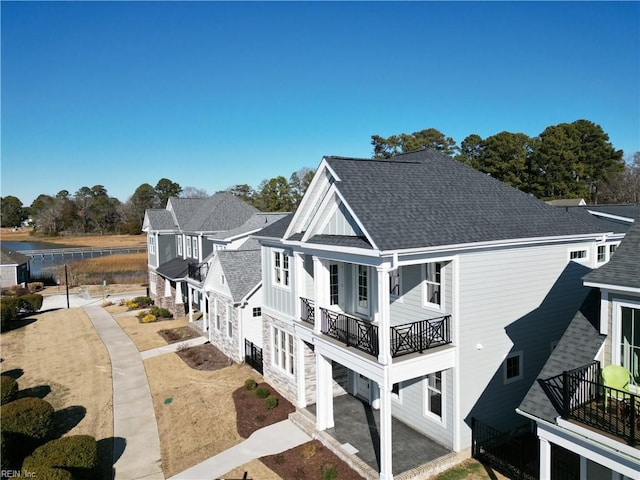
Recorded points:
434,394
512,367
229,321
282,350
612,249
630,341
179,245
195,247
153,278
432,289
257,311
362,278
394,282
188,244
281,268
334,284
152,244
216,304
602,253
577,254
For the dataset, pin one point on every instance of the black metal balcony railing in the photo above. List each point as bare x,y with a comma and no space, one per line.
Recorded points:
415,337
307,311
420,336
585,399
198,271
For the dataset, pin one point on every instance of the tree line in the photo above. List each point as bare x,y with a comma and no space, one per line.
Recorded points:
568,160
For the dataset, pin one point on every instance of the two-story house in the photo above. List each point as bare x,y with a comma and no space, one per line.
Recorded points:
585,425
180,237
432,292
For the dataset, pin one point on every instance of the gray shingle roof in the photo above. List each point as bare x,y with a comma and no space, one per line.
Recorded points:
277,229
623,269
627,210
242,270
161,220
341,241
578,346
424,198
10,257
174,269
256,221
219,212
607,224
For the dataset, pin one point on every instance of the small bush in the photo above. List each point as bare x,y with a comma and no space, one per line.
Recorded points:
35,286
131,305
250,384
30,416
149,318
308,450
329,472
271,402
8,310
262,392
30,303
160,312
74,451
143,301
8,389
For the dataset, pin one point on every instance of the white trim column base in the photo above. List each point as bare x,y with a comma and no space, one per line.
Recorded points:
324,393
545,459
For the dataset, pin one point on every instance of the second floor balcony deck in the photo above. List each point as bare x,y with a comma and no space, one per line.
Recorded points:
414,337
198,271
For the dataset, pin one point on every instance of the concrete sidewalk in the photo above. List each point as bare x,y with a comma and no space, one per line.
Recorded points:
172,347
269,440
133,414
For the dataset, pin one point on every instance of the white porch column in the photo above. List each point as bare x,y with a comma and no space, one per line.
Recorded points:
190,296
324,393
545,459
382,316
386,447
300,372
179,293
205,312
320,287
298,265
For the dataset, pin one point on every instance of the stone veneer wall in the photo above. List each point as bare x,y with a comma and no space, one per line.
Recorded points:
229,346
284,383
177,310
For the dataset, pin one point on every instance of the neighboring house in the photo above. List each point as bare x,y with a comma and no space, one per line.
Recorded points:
567,202
14,268
431,291
581,426
234,296
178,244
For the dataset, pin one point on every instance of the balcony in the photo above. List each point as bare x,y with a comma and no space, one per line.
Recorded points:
414,337
198,271
586,400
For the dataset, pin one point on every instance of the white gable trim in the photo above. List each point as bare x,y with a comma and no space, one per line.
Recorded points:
617,288
596,213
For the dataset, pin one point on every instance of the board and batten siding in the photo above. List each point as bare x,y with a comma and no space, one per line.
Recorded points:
411,407
511,300
276,297
341,223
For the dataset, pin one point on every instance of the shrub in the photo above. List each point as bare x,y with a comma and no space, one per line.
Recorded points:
308,450
131,305
74,451
149,318
160,312
35,286
250,384
30,303
271,402
143,301
262,392
329,472
8,310
8,389
29,416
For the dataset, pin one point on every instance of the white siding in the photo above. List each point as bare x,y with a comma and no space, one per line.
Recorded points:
341,223
275,297
252,326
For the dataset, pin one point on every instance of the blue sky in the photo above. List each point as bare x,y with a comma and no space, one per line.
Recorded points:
212,94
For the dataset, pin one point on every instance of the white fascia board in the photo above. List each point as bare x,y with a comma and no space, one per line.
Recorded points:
613,288
333,252
596,213
303,210
496,244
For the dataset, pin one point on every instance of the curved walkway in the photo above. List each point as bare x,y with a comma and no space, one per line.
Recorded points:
133,414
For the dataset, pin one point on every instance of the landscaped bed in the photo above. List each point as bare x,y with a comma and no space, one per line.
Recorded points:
179,334
204,357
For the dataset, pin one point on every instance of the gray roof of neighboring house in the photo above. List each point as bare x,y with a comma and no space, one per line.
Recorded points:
220,212
627,210
10,257
174,269
607,224
578,347
161,220
277,229
423,198
567,202
242,270
623,269
255,222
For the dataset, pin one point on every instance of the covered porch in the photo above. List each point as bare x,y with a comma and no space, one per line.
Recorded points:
356,432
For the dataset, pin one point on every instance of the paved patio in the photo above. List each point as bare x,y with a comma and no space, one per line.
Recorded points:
357,424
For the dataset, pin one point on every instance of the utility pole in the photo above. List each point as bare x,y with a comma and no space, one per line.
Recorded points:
66,283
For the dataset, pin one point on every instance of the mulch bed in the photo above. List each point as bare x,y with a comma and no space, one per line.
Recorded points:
252,414
204,357
173,335
307,461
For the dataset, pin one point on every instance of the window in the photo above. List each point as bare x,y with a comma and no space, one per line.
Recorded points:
257,311
152,244
195,247
179,245
283,350
602,253
577,254
188,242
433,395
216,305
612,249
153,278
229,321
630,341
512,367
394,282
363,289
281,269
433,284
334,284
